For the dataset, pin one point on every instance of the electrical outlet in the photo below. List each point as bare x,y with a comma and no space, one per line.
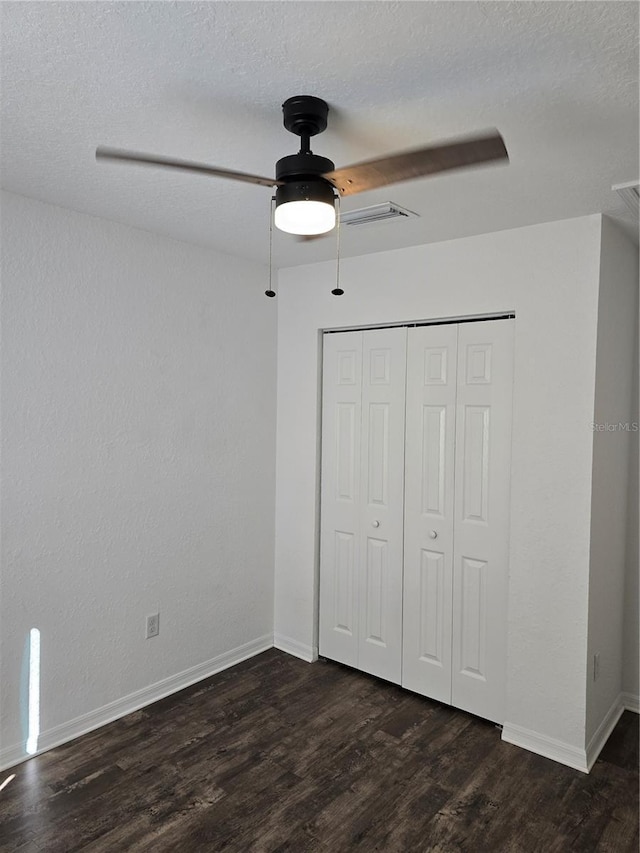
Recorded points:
153,625
596,666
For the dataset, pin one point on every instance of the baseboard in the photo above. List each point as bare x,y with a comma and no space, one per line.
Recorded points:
601,734
631,702
134,701
556,750
295,648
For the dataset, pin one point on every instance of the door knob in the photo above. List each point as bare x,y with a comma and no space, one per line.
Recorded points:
375,524
433,534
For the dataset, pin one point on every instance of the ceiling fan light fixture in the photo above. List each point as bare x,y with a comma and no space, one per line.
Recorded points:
308,185
305,217
305,208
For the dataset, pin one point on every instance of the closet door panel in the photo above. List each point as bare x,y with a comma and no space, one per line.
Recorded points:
429,503
340,505
381,504
483,454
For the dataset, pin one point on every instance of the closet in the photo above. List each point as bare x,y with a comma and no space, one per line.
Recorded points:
416,434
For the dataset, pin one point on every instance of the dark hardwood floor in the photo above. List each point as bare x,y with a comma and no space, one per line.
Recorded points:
278,755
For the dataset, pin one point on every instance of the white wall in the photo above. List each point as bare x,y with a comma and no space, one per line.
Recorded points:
548,274
138,461
617,315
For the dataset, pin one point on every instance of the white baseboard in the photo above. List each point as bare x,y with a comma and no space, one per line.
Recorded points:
565,753
9,756
601,734
295,648
556,750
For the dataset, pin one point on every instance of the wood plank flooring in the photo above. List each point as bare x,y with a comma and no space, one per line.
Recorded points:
279,755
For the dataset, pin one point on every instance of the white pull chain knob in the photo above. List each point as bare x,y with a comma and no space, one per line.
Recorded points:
375,524
433,534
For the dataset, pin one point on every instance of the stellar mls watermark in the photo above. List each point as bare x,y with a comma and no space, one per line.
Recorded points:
621,426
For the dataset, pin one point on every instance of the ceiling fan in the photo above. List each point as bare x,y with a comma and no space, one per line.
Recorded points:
306,184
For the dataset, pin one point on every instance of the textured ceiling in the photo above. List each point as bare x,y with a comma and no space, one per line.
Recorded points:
206,81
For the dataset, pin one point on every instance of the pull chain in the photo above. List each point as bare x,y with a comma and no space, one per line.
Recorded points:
338,291
270,291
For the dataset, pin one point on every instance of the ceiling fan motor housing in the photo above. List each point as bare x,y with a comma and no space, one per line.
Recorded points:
305,190
296,167
302,179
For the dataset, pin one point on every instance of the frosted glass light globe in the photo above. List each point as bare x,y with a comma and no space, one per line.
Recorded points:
305,217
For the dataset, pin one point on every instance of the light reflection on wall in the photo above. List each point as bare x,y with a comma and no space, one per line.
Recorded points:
34,692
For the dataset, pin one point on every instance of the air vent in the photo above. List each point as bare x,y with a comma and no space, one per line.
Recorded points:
629,194
376,213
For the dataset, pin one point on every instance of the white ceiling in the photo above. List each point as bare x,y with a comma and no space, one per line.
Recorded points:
205,81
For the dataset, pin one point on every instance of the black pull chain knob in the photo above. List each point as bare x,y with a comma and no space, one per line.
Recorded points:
337,291
269,293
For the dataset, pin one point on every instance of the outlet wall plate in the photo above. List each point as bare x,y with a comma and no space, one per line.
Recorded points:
153,625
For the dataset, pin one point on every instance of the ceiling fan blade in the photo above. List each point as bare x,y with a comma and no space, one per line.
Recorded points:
417,163
137,158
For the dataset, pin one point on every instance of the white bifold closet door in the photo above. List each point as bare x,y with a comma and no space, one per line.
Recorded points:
459,390
416,435
363,500
429,492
